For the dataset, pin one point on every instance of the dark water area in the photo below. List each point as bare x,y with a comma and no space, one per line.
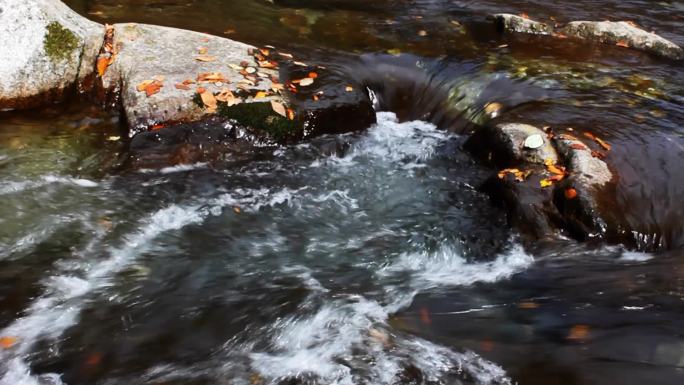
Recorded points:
366,258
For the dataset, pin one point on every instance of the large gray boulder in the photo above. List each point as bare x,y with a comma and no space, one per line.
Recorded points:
173,56
45,48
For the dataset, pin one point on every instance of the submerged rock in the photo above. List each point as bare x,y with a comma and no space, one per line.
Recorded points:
507,22
621,33
624,34
45,48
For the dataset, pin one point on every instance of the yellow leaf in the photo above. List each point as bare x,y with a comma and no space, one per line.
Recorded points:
545,183
260,95
205,58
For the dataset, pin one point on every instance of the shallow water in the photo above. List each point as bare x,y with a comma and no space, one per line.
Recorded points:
367,258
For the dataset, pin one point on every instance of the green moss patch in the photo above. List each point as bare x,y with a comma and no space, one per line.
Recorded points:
261,117
59,42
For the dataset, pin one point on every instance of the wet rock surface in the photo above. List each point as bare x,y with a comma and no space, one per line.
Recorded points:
45,49
621,33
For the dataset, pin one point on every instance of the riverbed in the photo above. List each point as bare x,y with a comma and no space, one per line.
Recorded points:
362,258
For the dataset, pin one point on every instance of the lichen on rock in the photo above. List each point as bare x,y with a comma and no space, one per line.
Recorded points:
59,42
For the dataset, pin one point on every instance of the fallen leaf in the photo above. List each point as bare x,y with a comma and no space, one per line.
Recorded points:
94,359
315,97
349,88
211,77
113,138
603,144
598,154
306,82
205,58
524,15
422,32
277,87
545,183
425,316
267,64
153,88
141,87
102,64
578,333
290,114
208,99
570,193
237,210
493,108
622,43
313,75
301,64
286,55
264,51
7,342
182,86
250,70
226,96
527,305
505,171
578,146
260,95
279,108
202,50
235,67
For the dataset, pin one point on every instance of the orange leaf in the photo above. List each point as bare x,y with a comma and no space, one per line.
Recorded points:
527,305
524,15
141,87
603,144
205,58
425,316
598,154
579,333
290,114
7,342
590,135
570,193
313,75
209,101
622,43
102,64
182,86
578,146
558,170
153,88
211,77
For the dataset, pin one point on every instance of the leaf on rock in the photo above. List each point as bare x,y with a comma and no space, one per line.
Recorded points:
290,114
570,193
205,58
278,108
493,108
261,95
622,43
202,50
102,64
208,99
182,86
578,146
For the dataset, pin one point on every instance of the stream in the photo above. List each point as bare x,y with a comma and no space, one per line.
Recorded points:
361,258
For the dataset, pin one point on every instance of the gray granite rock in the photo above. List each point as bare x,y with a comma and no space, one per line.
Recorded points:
45,48
513,136
147,52
624,33
513,23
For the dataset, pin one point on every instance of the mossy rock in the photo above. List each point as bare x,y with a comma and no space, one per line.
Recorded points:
59,42
260,117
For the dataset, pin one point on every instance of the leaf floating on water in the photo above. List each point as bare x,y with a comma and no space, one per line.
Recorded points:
527,305
425,316
493,108
578,333
570,193
349,88
534,141
313,75
306,82
290,114
422,33
598,154
603,144
278,108
113,138
524,15
7,342
205,58
237,210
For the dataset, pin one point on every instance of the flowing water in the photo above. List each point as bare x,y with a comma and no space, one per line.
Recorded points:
367,258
